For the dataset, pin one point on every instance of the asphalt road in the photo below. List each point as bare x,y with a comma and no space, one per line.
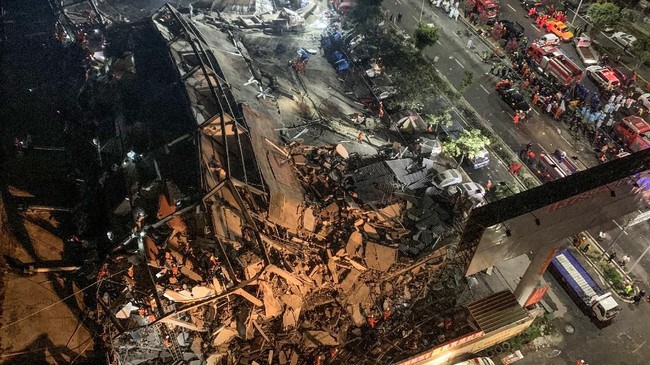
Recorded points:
453,59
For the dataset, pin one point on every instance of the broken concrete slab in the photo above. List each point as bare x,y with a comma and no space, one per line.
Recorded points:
379,257
319,338
354,248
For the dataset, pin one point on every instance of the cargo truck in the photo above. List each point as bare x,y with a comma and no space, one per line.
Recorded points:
593,300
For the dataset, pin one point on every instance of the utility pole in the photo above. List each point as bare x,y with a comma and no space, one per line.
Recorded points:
421,12
617,237
637,260
575,14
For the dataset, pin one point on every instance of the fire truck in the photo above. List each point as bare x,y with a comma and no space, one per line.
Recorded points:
633,132
552,62
487,10
551,167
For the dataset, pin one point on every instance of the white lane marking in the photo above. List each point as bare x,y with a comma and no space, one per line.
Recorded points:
459,64
399,2
485,90
438,41
456,34
641,345
434,14
565,140
511,8
539,30
617,225
536,112
416,19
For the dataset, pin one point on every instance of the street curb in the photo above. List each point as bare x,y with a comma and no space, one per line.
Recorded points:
600,274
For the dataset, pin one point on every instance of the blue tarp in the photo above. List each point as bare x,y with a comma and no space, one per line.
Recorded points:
342,65
572,261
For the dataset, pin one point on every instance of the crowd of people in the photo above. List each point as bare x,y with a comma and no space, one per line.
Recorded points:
588,113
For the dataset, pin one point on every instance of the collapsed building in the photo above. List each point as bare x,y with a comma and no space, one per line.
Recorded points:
290,251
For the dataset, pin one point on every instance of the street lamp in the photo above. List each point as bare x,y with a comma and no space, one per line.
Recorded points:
421,11
575,15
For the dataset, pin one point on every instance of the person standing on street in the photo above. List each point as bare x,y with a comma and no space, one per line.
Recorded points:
611,257
399,18
470,44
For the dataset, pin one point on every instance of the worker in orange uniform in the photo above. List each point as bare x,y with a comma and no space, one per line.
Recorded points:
515,118
360,137
372,321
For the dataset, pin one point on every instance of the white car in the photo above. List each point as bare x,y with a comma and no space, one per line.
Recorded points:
447,178
645,100
430,147
549,39
471,190
624,39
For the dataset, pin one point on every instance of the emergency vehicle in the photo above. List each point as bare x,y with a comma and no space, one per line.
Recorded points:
634,133
549,167
604,77
551,61
487,9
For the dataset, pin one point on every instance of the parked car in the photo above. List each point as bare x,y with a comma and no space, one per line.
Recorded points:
447,178
549,39
430,147
514,98
471,190
645,100
624,39
513,30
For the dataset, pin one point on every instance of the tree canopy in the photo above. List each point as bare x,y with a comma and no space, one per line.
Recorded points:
468,144
603,15
466,82
641,49
366,13
425,36
440,119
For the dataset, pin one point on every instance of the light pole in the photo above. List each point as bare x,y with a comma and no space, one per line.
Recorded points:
617,237
576,13
421,12
637,260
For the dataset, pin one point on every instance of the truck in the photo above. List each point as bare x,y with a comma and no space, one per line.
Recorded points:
487,10
585,50
577,282
552,62
633,132
551,167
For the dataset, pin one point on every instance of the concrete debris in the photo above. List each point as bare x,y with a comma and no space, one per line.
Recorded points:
298,251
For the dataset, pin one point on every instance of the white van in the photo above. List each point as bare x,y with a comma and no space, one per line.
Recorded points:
549,39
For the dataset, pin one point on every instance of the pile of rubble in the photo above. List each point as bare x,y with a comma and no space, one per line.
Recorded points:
345,287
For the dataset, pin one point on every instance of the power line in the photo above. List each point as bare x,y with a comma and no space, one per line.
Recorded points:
55,303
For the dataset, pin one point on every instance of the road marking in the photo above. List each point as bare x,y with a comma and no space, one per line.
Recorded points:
399,2
619,227
457,35
434,14
566,140
539,30
485,89
459,64
511,8
438,41
639,346
536,112
416,19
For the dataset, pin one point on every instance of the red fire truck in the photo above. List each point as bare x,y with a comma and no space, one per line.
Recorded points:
552,62
488,10
634,133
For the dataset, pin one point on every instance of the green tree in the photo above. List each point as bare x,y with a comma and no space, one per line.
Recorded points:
505,189
466,82
468,144
425,36
366,13
441,119
603,15
641,50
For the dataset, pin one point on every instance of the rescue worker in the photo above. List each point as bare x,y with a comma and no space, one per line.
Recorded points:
503,84
515,118
532,11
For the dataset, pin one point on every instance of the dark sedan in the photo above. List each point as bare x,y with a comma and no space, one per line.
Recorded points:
514,98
